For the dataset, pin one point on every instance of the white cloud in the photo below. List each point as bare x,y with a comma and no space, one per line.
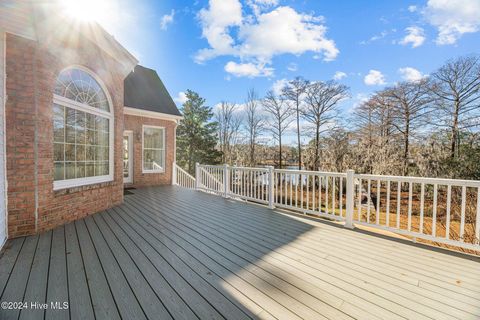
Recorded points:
257,39
292,67
278,85
453,18
411,74
166,20
415,36
216,22
374,78
249,70
412,8
181,98
339,75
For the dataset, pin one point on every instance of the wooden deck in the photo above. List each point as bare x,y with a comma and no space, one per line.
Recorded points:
173,253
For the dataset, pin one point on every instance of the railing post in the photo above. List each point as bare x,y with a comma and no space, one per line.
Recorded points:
271,189
174,173
350,199
225,180
197,176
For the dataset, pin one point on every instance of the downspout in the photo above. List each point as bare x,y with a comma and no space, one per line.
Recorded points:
3,36
35,139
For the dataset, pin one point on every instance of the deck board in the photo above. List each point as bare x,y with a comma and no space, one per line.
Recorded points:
407,291
171,253
37,282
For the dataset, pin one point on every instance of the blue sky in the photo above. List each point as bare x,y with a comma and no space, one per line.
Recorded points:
369,44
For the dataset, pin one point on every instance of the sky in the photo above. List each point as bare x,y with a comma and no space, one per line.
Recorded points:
222,48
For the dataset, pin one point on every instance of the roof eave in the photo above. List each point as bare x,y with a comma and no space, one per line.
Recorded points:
150,114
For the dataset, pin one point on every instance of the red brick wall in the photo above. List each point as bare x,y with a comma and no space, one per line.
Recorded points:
135,123
31,70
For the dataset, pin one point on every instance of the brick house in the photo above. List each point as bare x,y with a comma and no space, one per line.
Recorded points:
79,120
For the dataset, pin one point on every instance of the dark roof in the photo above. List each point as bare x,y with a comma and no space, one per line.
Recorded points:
144,90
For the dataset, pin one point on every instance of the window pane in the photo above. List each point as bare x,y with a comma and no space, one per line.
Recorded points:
79,86
69,170
70,134
70,152
80,173
102,138
80,153
153,138
59,171
58,152
90,153
90,137
153,159
89,169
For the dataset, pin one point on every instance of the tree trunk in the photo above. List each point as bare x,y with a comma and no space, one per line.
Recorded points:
406,150
298,137
317,141
280,150
454,132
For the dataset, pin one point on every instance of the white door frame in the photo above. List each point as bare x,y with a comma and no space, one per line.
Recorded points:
129,134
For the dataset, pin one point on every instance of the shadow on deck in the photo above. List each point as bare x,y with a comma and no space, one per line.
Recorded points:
168,252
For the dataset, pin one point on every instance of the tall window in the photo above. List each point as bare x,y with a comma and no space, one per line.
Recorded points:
153,149
83,131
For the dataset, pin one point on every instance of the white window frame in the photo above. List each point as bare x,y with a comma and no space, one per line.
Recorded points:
65,102
143,150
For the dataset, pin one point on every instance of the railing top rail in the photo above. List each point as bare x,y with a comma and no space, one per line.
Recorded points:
250,168
211,166
334,174
441,181
182,170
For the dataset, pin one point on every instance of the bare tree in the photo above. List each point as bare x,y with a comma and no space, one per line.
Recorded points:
254,123
409,101
281,117
228,129
321,109
295,91
457,89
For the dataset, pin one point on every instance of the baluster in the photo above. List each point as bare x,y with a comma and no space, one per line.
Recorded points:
449,201
477,223
387,210
369,182
359,199
399,199
333,195
422,205
409,225
434,214
462,216
341,196
379,185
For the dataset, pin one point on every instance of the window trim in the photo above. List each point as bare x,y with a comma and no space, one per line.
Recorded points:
65,102
143,149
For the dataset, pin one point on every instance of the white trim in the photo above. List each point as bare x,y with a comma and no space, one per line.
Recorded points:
4,102
71,183
150,114
129,133
164,149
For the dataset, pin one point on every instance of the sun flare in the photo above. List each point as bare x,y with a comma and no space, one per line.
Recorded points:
86,10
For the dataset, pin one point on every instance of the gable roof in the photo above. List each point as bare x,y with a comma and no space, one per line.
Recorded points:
144,90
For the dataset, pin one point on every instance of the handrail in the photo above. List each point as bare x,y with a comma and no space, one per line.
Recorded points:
182,178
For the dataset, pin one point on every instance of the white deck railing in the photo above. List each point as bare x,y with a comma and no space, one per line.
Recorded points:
182,178
441,210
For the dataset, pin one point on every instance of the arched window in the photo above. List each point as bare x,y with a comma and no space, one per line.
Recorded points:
83,130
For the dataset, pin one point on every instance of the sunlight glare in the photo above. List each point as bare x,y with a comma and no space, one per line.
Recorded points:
86,10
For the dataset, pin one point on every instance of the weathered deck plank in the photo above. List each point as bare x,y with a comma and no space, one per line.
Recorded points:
38,279
171,253
409,294
79,294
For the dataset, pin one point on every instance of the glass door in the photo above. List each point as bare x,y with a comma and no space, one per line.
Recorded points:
128,157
